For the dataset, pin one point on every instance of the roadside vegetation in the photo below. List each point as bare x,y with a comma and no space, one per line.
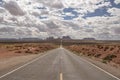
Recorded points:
106,53
7,50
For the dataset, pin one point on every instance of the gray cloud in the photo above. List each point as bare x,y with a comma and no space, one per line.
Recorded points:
116,30
36,14
89,30
7,29
52,3
51,24
1,19
13,19
14,8
103,36
71,24
2,10
44,12
23,32
57,4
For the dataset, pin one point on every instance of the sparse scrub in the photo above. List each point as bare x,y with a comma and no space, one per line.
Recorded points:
106,48
104,52
104,61
29,48
28,51
18,51
98,55
109,57
111,49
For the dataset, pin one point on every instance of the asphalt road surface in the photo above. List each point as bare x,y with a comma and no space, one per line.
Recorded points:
58,64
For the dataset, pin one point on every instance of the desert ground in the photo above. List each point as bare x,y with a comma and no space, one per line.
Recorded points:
12,54
106,53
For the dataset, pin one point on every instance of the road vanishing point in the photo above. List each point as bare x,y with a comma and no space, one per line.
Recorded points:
58,64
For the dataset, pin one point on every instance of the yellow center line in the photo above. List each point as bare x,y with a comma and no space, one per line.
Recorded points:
61,76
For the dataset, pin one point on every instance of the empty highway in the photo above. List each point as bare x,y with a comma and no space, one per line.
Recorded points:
58,64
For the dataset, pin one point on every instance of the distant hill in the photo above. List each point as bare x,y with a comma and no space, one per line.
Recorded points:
66,38
20,40
89,39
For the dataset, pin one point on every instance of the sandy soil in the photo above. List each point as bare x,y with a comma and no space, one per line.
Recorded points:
14,54
106,56
12,61
4,53
106,53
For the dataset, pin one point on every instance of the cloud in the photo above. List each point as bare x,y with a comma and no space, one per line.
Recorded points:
114,11
6,29
117,1
74,18
89,30
116,30
57,4
2,10
14,8
52,3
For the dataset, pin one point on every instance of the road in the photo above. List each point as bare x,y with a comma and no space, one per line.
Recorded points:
58,64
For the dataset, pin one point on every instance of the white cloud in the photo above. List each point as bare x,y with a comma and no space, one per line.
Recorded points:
114,11
76,3
85,5
117,1
23,17
69,14
52,3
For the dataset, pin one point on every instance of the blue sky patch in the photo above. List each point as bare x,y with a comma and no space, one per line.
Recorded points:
98,12
43,17
70,10
113,4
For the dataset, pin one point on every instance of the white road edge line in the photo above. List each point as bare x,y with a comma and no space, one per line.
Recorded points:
101,69
8,73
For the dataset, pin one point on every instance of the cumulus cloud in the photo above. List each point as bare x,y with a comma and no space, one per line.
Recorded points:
6,29
116,30
114,11
2,10
13,8
44,18
57,4
117,1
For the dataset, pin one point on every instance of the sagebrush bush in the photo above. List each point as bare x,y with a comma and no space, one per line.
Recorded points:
98,55
109,57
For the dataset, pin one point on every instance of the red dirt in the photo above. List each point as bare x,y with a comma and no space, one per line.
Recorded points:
10,50
5,53
106,53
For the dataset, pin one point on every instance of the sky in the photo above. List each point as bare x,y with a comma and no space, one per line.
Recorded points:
78,19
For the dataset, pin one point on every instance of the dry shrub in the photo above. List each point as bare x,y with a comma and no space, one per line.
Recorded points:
106,52
109,57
